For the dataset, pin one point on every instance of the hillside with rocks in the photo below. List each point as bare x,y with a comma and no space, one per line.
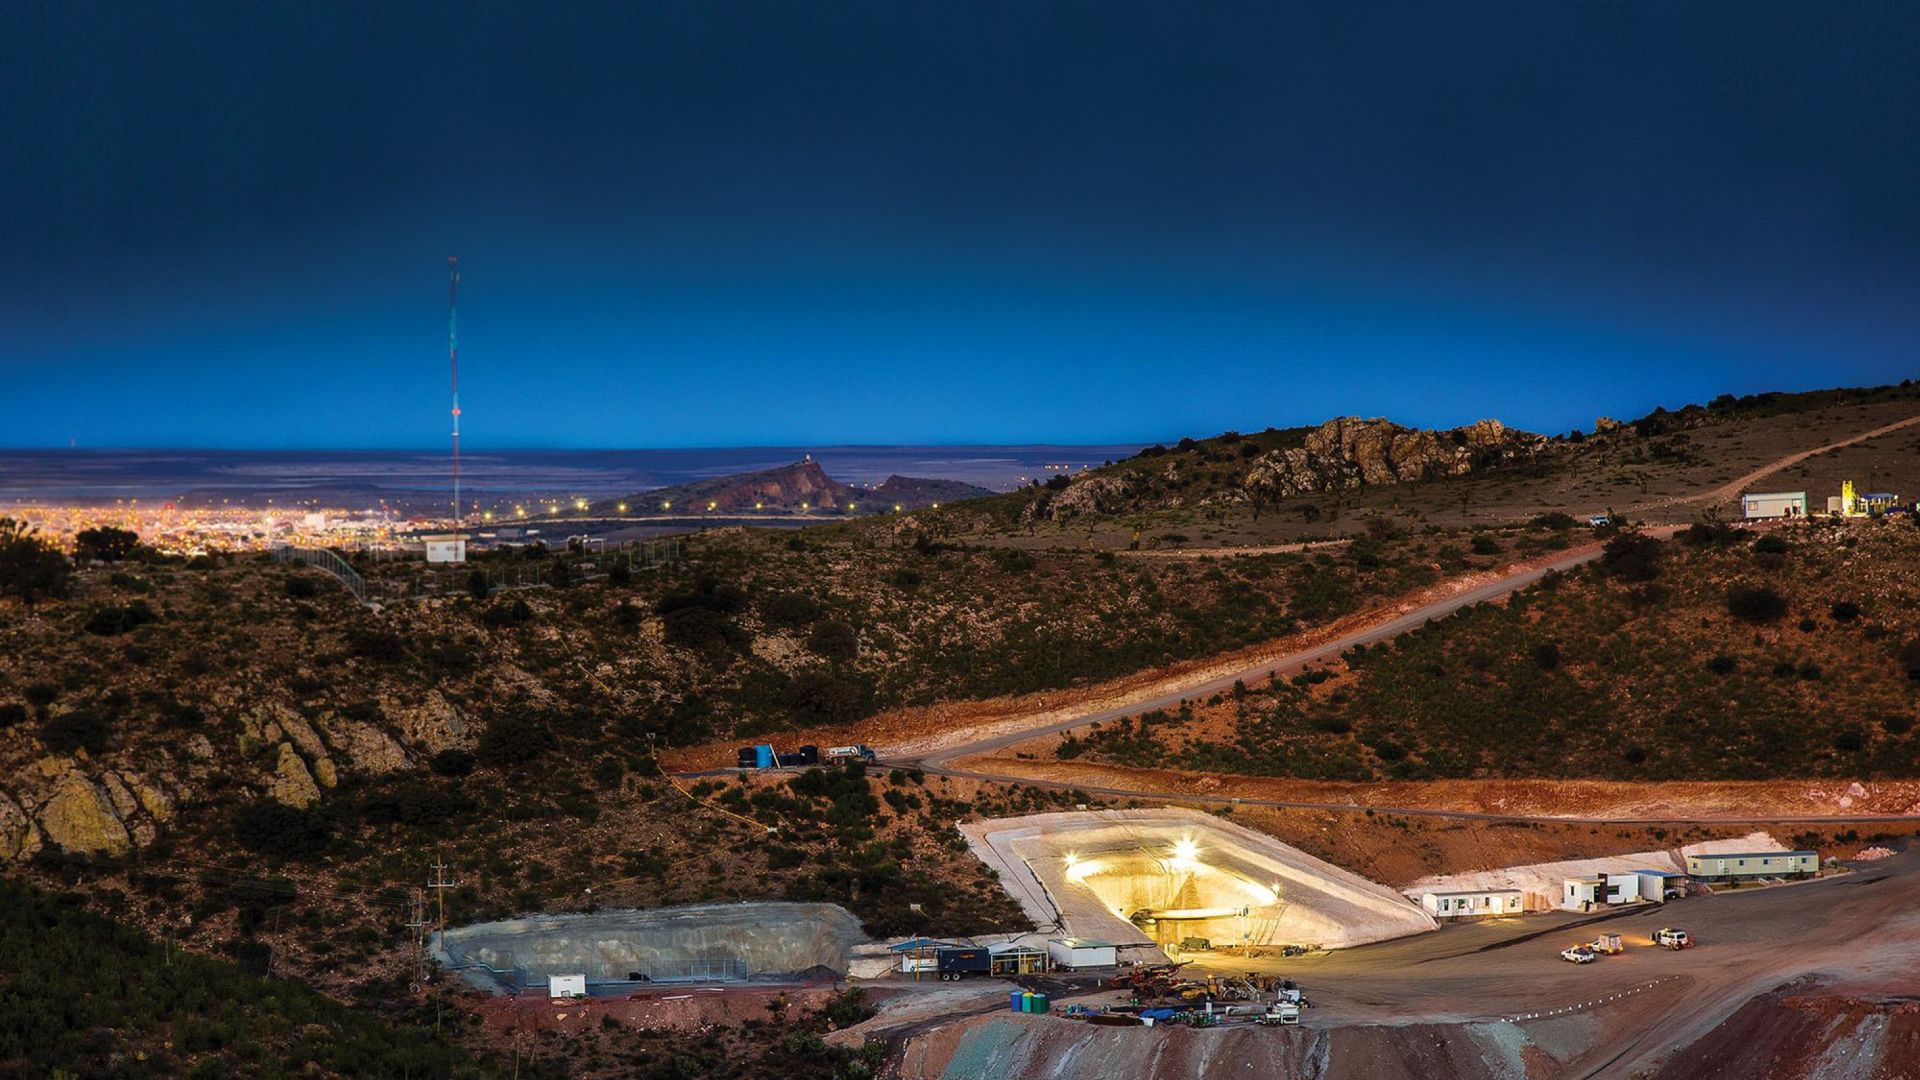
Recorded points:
1723,654
803,485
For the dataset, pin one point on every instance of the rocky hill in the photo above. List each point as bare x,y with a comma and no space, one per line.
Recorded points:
803,485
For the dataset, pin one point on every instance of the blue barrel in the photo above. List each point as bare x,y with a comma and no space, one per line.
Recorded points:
1014,1002
763,756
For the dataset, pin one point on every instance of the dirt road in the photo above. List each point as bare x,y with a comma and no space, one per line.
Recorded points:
1733,488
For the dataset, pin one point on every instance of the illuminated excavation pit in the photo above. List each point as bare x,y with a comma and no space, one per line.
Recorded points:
1165,875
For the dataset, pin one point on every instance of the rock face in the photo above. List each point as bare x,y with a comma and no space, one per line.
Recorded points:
1348,453
431,722
292,783
17,835
80,816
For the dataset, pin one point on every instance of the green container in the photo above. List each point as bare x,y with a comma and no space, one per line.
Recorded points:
1041,1003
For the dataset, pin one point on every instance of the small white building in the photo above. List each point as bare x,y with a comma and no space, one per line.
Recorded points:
1585,894
1774,504
1473,904
567,986
1076,954
446,548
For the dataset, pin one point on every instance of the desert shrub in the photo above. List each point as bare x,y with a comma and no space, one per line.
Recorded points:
110,621
1013,560
76,729
1552,522
834,640
302,587
1722,664
12,714
1755,603
790,609
373,643
704,629
1631,557
1484,545
1845,611
823,697
1849,740
1546,656
1908,658
513,612
274,828
511,739
1770,544
451,763
105,544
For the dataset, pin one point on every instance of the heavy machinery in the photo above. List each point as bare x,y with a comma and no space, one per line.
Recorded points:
1608,945
1668,938
1280,1012
1579,954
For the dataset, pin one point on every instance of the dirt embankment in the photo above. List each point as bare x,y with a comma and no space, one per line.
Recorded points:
1574,799
1794,1034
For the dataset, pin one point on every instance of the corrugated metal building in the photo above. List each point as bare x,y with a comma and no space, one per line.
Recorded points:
1773,504
1748,865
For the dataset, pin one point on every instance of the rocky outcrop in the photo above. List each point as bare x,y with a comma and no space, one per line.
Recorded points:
17,835
292,783
431,722
1349,453
1092,494
80,816
366,748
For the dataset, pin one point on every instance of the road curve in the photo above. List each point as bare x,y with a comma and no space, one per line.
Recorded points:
936,760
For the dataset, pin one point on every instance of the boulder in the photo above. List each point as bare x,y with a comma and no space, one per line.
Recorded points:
292,783
432,722
366,748
79,816
1350,452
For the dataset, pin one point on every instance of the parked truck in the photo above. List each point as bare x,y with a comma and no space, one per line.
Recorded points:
956,964
1668,938
1608,944
856,752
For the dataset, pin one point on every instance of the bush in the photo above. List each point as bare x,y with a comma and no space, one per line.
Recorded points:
274,828
1722,664
1845,611
790,609
512,613
1755,604
105,544
1546,656
452,763
512,739
1484,545
1770,544
834,640
78,729
302,587
111,621
822,697
1631,557
704,629
12,714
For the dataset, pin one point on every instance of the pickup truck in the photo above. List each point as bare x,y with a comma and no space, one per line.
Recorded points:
1669,938
1579,954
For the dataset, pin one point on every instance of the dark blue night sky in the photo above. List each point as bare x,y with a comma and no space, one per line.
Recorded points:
712,223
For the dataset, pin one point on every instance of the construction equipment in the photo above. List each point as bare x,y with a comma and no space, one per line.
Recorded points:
1668,938
1608,945
1280,1012
1579,954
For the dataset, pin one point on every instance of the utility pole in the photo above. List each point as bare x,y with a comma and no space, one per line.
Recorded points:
440,883
419,927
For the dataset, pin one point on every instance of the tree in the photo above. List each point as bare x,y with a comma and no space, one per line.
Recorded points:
477,584
1631,557
105,544
30,567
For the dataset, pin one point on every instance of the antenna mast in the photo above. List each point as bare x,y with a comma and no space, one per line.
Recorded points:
453,361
